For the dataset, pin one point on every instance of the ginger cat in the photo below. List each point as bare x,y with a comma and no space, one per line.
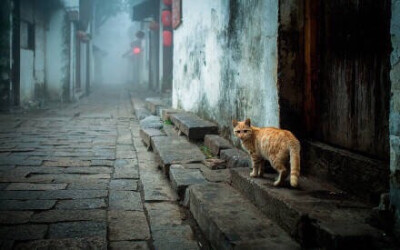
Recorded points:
278,146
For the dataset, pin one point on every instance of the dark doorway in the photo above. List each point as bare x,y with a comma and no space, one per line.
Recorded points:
347,85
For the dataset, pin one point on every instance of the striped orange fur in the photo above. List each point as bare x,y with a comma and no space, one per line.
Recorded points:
278,146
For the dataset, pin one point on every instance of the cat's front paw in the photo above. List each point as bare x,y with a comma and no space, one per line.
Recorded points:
253,174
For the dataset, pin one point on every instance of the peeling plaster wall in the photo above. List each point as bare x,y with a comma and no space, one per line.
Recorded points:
225,61
57,59
394,120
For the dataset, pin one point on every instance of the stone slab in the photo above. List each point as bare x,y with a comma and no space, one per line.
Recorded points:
73,194
215,163
147,133
164,214
141,113
129,245
26,205
35,186
193,126
125,200
235,158
151,122
182,177
127,225
126,172
170,130
227,219
101,184
23,232
216,143
178,237
53,216
15,217
20,195
334,164
316,214
154,104
168,228
79,229
79,204
175,150
65,170
155,184
124,184
217,175
97,243
166,112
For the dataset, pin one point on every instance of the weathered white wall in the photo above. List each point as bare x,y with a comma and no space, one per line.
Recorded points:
225,61
27,80
114,38
27,85
39,61
57,62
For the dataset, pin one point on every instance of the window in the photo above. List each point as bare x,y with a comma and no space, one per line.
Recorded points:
27,35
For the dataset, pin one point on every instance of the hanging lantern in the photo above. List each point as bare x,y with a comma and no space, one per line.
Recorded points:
166,18
167,2
136,50
167,38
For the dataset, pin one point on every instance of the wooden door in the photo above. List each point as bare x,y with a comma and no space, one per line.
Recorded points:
347,86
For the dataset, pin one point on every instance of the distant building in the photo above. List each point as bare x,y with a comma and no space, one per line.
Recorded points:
46,52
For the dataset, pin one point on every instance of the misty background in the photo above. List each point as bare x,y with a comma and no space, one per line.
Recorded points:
114,32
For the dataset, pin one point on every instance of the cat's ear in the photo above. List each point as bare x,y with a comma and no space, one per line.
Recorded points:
234,122
247,122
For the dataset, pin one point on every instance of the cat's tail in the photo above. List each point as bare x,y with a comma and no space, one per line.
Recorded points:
294,164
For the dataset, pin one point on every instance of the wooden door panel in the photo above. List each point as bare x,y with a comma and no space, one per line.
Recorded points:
353,86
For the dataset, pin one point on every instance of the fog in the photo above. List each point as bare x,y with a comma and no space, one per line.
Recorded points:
113,51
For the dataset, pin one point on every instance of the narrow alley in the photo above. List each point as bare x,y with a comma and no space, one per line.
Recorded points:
184,125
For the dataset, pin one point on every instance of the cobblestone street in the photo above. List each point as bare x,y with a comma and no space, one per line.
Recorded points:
78,176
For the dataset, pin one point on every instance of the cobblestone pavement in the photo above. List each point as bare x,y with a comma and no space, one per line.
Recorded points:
69,177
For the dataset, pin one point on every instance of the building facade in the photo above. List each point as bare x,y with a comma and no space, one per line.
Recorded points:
326,70
47,51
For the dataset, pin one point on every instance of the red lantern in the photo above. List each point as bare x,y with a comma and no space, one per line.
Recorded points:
167,2
136,50
166,18
167,38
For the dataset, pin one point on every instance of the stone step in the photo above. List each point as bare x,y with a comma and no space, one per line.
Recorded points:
316,214
175,150
147,133
151,122
235,158
140,109
193,126
216,143
334,165
166,112
229,221
154,104
182,176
